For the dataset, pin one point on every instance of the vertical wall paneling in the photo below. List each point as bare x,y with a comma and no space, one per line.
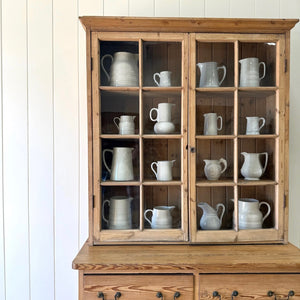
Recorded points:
140,8
289,9
15,149
267,9
192,8
2,254
217,8
116,7
91,7
242,8
66,145
167,8
40,145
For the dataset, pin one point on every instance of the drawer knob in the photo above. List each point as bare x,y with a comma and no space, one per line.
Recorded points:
159,295
100,295
176,295
117,295
234,294
291,293
216,294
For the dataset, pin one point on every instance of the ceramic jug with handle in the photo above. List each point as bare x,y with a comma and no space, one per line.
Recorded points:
252,168
211,124
119,212
123,70
249,74
213,168
250,216
126,124
163,169
210,219
210,74
161,217
122,166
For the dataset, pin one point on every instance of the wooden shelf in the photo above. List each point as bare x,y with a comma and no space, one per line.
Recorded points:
120,183
257,136
211,183
216,90
119,136
157,89
162,136
215,137
156,182
256,182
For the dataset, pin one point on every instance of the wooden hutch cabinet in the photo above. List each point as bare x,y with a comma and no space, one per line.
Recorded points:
188,147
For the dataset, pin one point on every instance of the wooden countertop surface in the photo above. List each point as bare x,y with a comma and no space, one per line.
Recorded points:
189,258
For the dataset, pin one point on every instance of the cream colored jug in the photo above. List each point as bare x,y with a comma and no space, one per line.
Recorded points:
126,124
250,216
249,74
163,112
122,167
161,217
213,168
124,69
252,168
211,124
209,76
119,212
163,169
210,219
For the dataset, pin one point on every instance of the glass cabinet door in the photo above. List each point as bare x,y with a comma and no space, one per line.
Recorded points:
139,84
236,135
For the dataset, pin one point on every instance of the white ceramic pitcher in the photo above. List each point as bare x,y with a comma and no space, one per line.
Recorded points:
164,169
252,168
210,74
210,219
213,168
250,216
253,126
122,167
161,217
249,74
163,112
164,78
123,70
119,212
211,124
126,124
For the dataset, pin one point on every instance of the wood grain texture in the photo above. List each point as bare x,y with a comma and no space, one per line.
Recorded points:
218,25
186,258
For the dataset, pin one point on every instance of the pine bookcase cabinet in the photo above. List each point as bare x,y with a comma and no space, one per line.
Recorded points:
172,256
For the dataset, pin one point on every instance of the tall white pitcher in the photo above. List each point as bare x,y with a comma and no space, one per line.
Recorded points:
252,168
210,74
121,167
249,75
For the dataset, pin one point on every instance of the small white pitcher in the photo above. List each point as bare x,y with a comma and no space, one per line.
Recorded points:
213,168
126,124
164,78
164,169
211,124
249,74
253,126
252,168
161,217
210,74
163,112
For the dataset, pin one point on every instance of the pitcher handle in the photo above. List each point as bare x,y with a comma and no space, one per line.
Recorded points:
150,114
154,78
102,66
103,204
264,72
115,121
224,162
223,210
262,124
145,213
268,212
221,123
104,161
266,155
224,74
152,168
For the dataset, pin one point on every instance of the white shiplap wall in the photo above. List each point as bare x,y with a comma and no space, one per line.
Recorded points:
43,126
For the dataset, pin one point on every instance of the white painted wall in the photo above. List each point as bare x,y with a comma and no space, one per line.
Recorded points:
43,151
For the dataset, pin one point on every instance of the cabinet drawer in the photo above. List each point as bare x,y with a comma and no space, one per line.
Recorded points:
250,286
136,287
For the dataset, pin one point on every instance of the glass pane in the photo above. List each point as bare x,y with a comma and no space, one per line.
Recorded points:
120,207
119,63
165,205
161,56
214,113
257,65
213,201
215,64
